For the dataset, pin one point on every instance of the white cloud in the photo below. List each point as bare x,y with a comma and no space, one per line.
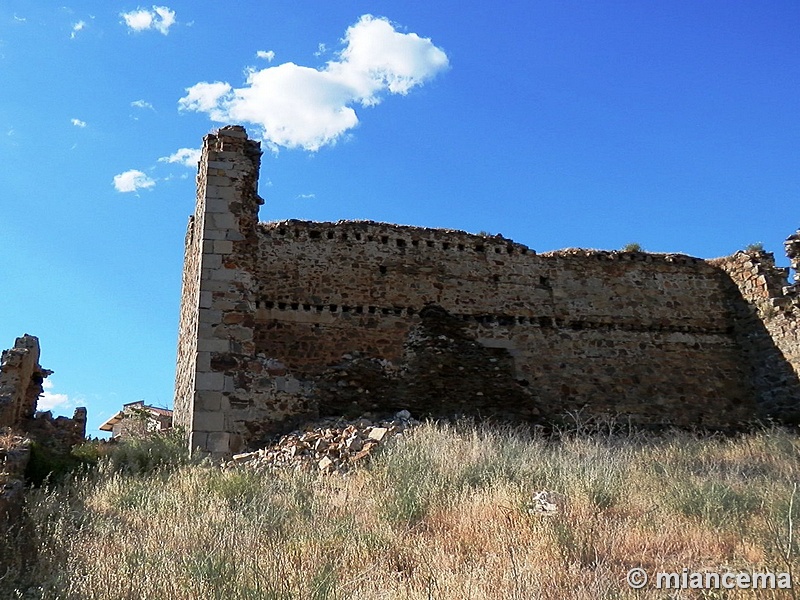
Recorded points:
76,28
143,104
52,401
161,18
188,157
78,123
296,106
132,181
306,196
321,49
267,55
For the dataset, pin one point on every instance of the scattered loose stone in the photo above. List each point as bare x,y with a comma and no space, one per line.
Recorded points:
329,445
545,503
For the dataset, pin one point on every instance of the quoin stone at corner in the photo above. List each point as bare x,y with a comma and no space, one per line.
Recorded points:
288,320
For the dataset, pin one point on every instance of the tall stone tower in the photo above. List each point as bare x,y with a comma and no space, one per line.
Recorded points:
213,329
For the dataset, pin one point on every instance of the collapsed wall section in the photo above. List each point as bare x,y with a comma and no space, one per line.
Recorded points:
767,326
21,378
21,385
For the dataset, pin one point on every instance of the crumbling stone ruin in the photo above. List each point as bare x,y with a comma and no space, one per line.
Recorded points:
289,320
21,379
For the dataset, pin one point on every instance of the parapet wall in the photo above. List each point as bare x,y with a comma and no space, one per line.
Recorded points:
290,319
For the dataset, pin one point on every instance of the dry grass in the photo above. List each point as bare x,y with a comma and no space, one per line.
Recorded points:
441,514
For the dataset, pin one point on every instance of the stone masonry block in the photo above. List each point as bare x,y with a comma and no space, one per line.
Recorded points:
206,299
220,193
212,261
209,401
203,361
223,247
217,205
219,443
221,221
209,421
219,182
198,440
208,315
217,286
209,382
222,274
213,345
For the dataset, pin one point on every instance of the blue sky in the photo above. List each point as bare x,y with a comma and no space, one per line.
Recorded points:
556,123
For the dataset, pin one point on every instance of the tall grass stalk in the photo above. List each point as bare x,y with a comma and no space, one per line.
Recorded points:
443,513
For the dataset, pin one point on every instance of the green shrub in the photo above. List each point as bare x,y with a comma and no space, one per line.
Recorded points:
755,248
149,453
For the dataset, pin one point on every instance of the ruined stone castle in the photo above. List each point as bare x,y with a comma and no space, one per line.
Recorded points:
288,320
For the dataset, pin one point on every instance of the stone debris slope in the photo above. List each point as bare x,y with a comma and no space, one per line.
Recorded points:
330,445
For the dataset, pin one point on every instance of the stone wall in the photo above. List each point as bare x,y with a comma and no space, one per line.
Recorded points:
296,318
21,379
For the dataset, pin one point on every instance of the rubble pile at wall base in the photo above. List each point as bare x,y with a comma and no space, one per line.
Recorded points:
327,445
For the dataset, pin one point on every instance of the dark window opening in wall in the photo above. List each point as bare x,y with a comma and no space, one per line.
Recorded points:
295,305
400,243
524,251
429,243
461,247
510,249
319,307
372,310
496,278
258,304
358,236
282,305
545,322
398,311
479,247
385,311
523,382
382,269
345,309
314,235
370,238
359,310
333,307
415,243
545,281
497,250
269,304
306,307
281,231
344,237
297,233
411,312
330,235
384,239
445,246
